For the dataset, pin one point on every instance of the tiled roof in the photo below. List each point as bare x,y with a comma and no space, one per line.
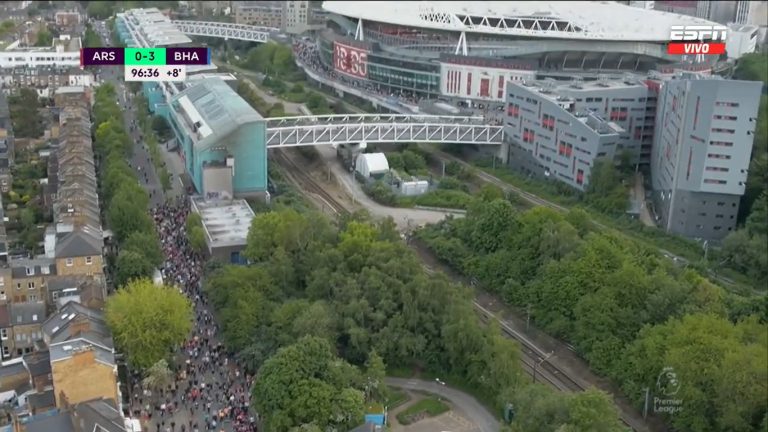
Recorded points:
27,313
79,244
99,412
38,363
59,422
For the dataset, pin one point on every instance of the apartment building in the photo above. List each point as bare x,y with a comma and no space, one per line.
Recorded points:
45,79
6,333
82,289
77,242
29,278
83,363
702,146
263,13
551,138
290,16
26,326
98,415
296,16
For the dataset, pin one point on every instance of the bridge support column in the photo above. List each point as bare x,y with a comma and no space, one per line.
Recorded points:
461,47
359,34
503,153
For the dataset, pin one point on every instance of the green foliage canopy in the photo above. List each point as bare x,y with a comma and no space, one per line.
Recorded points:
148,320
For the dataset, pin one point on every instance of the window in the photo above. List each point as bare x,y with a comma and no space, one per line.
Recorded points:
4,334
34,317
718,156
2,295
31,285
33,298
713,181
717,169
70,262
55,295
88,260
30,271
6,351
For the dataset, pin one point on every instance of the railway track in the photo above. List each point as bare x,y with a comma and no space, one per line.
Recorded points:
531,355
298,175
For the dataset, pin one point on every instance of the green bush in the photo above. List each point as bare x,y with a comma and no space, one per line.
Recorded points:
381,193
452,183
445,198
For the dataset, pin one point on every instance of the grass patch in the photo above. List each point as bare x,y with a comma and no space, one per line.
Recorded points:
397,398
429,407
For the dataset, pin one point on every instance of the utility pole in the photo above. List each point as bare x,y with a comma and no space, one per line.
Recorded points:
645,406
443,169
528,318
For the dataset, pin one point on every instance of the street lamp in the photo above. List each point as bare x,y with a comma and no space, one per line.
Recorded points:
437,380
541,360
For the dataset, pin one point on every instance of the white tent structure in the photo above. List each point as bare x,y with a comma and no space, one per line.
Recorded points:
371,164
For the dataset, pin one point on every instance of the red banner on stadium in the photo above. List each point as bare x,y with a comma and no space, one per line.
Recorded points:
350,60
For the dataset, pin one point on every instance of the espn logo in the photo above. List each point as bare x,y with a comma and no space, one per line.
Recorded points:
706,40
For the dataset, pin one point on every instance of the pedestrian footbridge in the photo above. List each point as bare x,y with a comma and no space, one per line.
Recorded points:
379,128
225,30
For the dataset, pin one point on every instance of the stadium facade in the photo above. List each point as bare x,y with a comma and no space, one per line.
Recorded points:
442,49
579,82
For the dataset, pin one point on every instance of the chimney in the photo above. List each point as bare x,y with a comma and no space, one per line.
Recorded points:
80,324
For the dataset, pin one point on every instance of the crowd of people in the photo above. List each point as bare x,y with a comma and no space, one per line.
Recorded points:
209,392
308,54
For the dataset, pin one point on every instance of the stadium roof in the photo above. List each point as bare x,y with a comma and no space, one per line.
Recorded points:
580,20
155,28
212,110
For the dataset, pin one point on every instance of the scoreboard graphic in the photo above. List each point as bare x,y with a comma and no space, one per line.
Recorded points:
147,64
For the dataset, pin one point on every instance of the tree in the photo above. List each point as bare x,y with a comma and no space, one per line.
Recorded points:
44,38
127,212
606,190
132,265
158,377
25,115
301,384
148,320
375,372
537,408
145,243
161,127
591,411
195,232
100,9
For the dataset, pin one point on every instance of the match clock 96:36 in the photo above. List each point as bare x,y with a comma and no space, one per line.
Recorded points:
155,73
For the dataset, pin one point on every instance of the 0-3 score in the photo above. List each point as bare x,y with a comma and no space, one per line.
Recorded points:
155,73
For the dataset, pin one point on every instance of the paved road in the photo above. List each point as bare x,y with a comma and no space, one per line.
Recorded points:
467,404
405,218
